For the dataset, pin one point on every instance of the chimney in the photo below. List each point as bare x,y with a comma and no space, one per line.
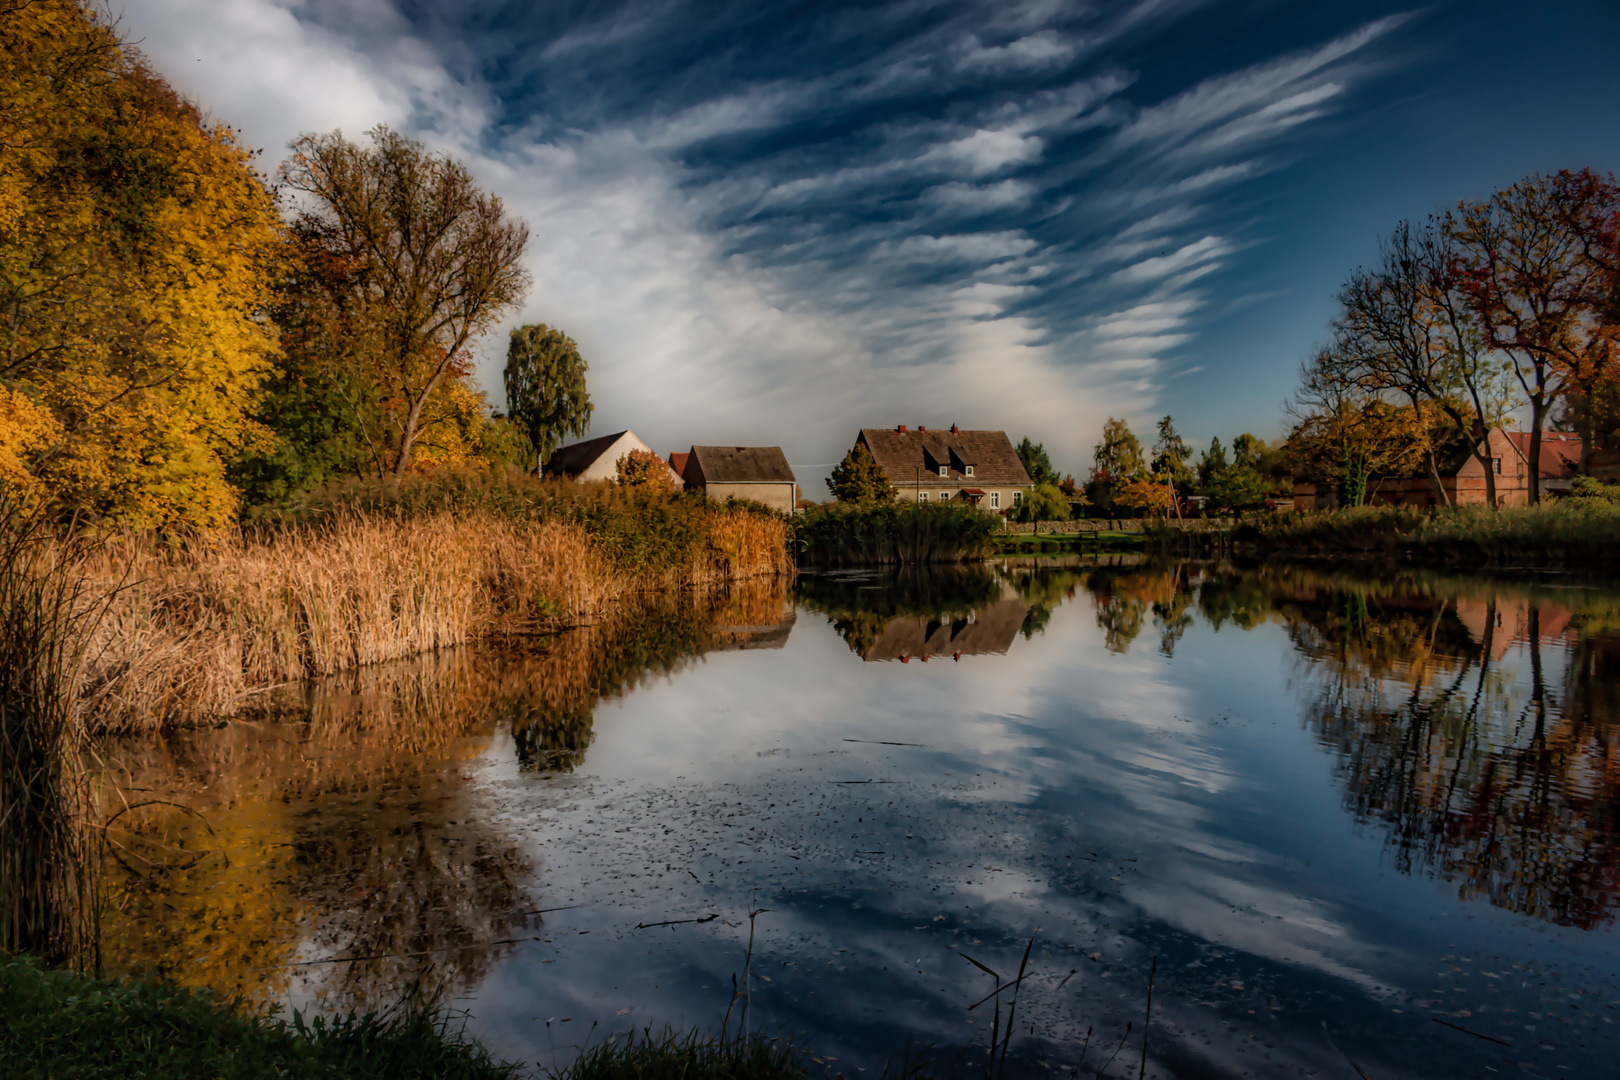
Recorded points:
900,427
920,427
954,431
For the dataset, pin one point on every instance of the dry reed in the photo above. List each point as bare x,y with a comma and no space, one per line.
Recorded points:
198,630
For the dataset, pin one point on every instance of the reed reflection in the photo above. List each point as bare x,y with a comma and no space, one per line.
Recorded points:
340,823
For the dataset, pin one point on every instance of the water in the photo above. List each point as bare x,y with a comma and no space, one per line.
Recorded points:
1349,823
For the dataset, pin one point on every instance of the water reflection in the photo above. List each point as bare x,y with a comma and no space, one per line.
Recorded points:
338,823
1100,762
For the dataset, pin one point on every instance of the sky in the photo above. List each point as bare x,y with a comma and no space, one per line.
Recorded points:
775,224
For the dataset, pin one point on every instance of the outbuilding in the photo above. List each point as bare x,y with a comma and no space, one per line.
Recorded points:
760,473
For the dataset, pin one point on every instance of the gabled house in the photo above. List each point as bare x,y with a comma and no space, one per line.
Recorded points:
761,473
595,459
944,464
1462,475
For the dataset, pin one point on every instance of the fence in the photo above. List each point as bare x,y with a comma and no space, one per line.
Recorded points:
1085,525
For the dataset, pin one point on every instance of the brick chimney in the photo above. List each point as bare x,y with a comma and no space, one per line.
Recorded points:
920,427
900,427
954,431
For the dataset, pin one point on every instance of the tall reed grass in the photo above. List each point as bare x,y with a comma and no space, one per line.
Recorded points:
1571,534
201,627
898,532
48,852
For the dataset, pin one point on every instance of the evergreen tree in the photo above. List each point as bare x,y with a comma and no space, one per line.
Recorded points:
1170,455
860,479
545,386
1036,463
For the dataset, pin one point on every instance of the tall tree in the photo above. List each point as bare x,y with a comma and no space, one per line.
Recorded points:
1405,330
1212,462
860,479
545,387
1170,455
137,251
1118,457
1036,463
1525,271
435,261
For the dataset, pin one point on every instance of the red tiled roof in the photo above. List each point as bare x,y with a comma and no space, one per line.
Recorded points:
677,461
972,491
1560,452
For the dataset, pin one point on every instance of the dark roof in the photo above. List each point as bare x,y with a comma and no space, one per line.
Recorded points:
903,453
743,464
575,459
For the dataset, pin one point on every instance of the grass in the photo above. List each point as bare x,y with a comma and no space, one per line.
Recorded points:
877,534
48,853
1561,534
63,1026
375,573
674,1055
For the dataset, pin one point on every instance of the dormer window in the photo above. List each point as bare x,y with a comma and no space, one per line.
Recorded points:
944,470
968,470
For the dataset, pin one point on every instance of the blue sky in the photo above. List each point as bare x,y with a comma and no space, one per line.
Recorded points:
780,223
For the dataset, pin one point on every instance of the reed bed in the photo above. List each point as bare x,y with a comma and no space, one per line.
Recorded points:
895,532
48,854
1561,534
192,632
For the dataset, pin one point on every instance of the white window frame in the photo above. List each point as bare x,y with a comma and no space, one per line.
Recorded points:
995,500
967,470
945,470
922,496
1018,497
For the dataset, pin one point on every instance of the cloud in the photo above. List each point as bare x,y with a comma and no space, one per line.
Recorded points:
878,227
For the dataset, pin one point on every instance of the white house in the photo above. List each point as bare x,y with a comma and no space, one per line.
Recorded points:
597,459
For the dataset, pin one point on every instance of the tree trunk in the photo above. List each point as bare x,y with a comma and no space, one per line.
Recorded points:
1538,411
1434,475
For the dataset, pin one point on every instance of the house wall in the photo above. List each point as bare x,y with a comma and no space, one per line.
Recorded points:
776,496
1466,488
909,493
606,467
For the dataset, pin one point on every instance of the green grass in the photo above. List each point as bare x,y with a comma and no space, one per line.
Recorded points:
69,1027
1562,534
693,1055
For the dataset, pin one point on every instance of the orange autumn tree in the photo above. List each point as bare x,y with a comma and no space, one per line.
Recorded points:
137,255
429,262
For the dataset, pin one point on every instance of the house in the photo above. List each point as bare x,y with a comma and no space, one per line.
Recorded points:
978,467
761,473
595,459
1462,476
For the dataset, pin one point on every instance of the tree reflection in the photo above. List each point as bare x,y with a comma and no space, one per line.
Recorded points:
340,825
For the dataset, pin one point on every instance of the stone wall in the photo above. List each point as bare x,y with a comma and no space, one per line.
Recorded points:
1118,525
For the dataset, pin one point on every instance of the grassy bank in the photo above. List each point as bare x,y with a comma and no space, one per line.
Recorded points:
884,534
370,574
1564,534
54,1024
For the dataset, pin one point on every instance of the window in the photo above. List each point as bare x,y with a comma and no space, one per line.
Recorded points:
944,470
922,496
1018,497
1496,465
995,500
968,469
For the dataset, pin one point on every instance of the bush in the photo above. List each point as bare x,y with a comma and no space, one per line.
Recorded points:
898,532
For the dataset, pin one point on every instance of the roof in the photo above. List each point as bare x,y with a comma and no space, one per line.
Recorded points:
575,459
913,457
1560,452
677,462
743,464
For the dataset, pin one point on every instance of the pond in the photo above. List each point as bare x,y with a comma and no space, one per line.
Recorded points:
1342,822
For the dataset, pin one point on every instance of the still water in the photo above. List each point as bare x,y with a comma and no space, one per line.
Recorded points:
1346,824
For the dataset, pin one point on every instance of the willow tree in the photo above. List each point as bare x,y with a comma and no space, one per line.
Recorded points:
545,387
432,262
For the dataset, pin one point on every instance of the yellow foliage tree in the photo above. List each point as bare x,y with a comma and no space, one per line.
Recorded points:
137,256
1150,496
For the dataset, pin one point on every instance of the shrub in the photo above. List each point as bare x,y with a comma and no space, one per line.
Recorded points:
897,532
